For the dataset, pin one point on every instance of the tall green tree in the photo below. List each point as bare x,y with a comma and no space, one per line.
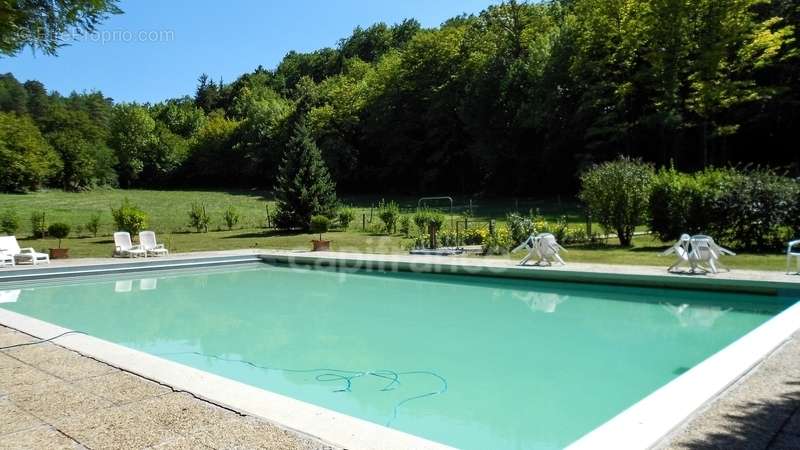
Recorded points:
304,187
42,25
26,159
132,136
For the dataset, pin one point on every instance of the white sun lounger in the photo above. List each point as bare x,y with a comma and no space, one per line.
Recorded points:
544,247
6,258
123,247
21,255
791,252
147,239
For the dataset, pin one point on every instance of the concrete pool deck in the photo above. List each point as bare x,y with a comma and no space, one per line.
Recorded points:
767,384
54,398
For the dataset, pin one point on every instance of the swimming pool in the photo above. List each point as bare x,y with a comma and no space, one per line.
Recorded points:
472,362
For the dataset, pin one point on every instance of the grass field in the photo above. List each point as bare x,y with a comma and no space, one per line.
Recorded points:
168,216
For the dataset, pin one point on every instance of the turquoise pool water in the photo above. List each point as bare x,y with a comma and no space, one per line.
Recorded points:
473,362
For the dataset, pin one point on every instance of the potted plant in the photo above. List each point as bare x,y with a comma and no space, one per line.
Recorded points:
59,231
320,224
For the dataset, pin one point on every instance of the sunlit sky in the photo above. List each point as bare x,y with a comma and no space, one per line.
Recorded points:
157,49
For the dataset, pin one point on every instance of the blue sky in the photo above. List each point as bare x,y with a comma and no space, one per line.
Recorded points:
223,39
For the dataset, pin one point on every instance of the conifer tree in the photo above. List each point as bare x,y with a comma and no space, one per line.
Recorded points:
303,187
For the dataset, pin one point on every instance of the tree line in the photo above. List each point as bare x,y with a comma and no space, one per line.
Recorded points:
515,100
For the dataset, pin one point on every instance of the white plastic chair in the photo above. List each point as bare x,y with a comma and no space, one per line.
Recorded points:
147,239
681,250
544,247
21,255
531,245
790,253
123,247
549,249
705,252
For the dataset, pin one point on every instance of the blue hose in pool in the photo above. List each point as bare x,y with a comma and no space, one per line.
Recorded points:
345,376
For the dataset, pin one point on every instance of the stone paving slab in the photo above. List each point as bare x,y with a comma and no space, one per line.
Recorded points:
54,398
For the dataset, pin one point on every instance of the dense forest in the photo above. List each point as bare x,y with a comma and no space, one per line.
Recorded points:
515,100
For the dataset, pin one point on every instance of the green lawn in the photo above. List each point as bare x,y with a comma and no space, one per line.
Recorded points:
168,216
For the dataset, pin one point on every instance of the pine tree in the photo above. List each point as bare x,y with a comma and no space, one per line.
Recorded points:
303,187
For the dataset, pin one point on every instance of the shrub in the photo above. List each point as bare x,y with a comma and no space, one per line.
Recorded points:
794,215
520,226
421,220
231,217
38,224
499,242
199,218
749,210
755,212
448,238
93,225
128,217
436,220
59,231
319,224
389,212
617,194
345,215
9,222
476,236
682,203
405,225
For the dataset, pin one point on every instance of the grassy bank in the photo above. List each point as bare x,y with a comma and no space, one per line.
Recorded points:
168,216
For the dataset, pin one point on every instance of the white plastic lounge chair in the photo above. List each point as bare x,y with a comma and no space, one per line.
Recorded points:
147,239
544,247
681,250
792,253
22,255
148,284
123,247
705,252
6,258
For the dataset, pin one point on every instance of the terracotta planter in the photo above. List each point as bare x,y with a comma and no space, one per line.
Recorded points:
59,253
321,245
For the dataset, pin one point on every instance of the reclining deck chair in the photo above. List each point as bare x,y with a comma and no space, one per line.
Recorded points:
19,255
123,247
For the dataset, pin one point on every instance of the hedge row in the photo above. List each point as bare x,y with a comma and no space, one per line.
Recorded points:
754,210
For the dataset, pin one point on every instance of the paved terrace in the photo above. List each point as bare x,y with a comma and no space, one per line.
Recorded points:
51,397
54,398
